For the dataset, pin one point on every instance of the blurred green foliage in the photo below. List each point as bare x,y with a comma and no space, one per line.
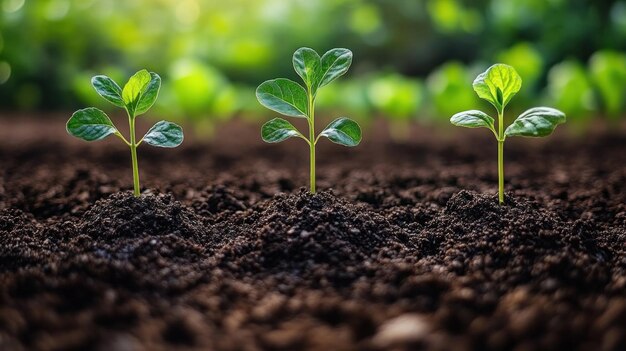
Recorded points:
413,59
608,74
449,87
570,88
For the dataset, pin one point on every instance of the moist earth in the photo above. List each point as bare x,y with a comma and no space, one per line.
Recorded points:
405,246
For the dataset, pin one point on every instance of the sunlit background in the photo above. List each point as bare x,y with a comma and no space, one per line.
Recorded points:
414,60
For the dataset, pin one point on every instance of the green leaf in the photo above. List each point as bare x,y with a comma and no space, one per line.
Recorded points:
135,87
307,64
343,131
164,134
536,122
277,130
108,89
90,124
283,96
473,119
335,63
149,94
498,84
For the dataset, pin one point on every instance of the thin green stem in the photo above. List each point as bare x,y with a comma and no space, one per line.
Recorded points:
133,155
500,157
312,140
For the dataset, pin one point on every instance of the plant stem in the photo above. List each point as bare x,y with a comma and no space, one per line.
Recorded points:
500,157
312,140
133,156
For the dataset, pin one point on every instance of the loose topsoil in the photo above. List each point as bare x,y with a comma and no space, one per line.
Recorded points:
404,247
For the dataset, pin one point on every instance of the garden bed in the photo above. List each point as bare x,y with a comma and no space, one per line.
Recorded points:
403,248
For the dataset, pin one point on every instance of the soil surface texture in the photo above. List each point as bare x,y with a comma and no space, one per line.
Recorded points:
404,247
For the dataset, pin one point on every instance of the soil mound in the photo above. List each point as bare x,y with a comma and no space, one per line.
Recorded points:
123,215
20,245
218,203
519,243
144,242
300,234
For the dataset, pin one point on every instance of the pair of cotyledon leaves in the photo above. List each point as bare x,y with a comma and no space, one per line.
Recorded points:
138,95
498,85
291,99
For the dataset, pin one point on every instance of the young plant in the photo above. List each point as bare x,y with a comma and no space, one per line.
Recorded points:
138,95
498,85
291,99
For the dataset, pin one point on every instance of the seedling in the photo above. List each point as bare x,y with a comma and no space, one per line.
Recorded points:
498,85
138,95
292,99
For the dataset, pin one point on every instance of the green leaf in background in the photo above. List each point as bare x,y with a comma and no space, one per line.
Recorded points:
335,63
498,84
571,90
608,74
90,124
343,131
473,119
307,64
277,130
164,134
536,122
134,88
396,96
283,96
108,89
448,89
149,94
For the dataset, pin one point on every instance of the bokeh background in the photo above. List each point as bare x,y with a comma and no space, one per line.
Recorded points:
414,60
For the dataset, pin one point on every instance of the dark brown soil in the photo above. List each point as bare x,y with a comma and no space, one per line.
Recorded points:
404,248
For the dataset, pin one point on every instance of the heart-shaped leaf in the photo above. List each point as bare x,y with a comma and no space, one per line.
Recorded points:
283,96
149,94
134,88
536,122
90,124
343,131
108,89
498,84
473,119
277,130
307,64
164,134
335,63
